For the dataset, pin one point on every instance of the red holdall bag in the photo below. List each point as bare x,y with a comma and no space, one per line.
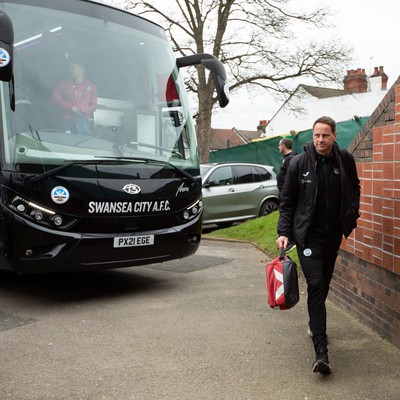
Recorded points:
282,283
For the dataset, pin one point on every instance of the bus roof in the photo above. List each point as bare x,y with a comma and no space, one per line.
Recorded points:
112,4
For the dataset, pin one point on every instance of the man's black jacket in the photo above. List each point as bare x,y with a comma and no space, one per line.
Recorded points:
297,201
280,177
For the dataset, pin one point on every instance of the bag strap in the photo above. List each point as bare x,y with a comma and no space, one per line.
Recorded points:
282,255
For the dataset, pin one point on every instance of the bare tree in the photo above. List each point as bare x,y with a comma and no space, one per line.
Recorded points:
255,39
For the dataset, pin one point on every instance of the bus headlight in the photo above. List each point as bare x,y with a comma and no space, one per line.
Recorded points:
21,207
57,220
193,210
38,213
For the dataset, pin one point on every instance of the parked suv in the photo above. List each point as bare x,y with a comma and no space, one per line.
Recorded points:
236,191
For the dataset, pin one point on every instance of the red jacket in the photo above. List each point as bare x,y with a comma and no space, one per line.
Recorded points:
69,94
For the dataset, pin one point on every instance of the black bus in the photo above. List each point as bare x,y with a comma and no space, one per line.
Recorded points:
98,154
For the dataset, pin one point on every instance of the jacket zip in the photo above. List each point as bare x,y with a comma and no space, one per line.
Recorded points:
325,169
314,200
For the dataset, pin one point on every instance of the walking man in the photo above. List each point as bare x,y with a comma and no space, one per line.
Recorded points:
285,148
319,204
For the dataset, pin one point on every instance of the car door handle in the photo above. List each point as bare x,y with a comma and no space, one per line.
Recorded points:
231,190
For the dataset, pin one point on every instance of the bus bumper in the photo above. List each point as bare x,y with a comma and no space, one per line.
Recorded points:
37,249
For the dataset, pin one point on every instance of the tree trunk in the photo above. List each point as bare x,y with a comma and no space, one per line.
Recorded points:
204,135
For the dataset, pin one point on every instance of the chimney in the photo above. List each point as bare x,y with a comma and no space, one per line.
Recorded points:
262,125
379,79
356,81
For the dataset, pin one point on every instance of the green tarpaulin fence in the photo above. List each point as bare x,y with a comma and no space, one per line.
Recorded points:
266,151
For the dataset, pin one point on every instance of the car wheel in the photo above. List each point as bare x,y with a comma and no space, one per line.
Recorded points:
267,207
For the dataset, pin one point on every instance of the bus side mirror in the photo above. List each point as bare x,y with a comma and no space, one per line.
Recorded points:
217,70
219,75
6,47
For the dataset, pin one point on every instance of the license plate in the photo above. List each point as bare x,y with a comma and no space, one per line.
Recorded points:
132,241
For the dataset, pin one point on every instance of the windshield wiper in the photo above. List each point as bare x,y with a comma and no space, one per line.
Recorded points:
154,161
53,171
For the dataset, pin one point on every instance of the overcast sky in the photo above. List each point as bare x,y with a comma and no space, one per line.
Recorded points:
369,27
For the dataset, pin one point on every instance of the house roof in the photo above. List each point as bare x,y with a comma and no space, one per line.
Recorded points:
340,104
226,138
248,135
323,93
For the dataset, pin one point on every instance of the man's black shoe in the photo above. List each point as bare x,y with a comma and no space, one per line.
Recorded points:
321,363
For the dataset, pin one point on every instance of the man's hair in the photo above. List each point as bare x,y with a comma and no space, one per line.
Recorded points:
328,121
287,143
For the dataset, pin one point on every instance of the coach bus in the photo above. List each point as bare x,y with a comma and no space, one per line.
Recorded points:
98,156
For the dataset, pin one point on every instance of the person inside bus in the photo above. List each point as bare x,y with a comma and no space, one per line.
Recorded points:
77,97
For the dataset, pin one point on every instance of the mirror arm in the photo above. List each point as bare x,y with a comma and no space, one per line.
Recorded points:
11,86
217,70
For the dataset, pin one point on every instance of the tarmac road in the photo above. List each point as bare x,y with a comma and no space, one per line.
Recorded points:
196,328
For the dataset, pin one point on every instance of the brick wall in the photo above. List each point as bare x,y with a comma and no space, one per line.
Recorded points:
367,275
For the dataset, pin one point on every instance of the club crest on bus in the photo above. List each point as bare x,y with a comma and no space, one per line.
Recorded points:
59,195
131,188
4,57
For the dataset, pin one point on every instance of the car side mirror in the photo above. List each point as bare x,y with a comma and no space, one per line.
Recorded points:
212,183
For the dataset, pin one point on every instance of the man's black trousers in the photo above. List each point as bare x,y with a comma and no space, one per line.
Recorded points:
317,260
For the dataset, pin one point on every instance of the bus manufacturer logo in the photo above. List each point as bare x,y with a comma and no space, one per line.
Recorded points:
59,195
182,189
131,188
4,57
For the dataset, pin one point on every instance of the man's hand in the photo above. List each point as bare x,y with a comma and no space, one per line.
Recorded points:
282,242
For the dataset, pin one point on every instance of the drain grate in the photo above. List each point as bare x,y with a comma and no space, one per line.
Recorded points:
9,321
190,264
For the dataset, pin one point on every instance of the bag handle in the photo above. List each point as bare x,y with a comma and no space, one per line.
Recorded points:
282,255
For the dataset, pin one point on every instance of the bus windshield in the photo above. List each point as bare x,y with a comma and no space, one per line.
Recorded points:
91,88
